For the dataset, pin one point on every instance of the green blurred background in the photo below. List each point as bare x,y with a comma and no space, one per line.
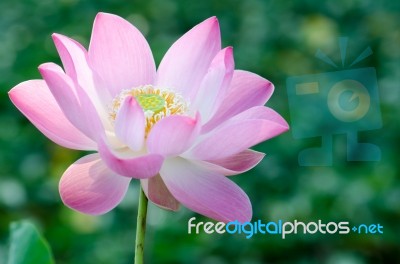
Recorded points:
276,39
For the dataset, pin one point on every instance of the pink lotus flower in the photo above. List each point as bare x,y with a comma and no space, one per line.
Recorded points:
180,130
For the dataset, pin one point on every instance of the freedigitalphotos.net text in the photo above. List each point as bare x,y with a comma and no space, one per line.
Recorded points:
281,228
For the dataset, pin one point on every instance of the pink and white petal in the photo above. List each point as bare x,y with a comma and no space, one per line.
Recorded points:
140,167
187,60
120,54
73,101
246,90
235,164
88,186
206,192
233,137
113,141
157,192
34,99
173,135
130,124
75,61
215,84
261,112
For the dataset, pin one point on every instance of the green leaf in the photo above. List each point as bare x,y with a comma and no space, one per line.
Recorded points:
27,246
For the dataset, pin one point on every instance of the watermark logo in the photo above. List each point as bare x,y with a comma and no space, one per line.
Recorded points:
281,228
340,102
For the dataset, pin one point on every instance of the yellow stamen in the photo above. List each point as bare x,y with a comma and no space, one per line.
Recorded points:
156,103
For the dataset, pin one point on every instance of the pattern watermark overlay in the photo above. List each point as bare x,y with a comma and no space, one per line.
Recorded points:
345,101
282,228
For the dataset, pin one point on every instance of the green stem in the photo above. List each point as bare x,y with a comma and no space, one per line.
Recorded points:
141,227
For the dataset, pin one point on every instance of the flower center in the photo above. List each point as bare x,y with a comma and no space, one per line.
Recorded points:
156,103
151,102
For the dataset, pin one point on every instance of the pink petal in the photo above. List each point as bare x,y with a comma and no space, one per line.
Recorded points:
246,90
235,164
261,112
75,61
73,101
120,54
157,192
141,167
34,99
234,136
214,85
88,186
173,135
130,124
187,61
206,192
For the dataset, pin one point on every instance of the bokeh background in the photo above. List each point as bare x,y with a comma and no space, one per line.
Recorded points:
276,39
